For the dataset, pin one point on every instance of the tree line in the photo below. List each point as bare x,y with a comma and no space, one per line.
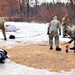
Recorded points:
31,10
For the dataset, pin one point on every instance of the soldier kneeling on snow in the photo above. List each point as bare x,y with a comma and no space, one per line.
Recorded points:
71,33
3,55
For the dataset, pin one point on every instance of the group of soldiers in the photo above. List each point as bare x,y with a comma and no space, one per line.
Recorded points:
67,27
54,26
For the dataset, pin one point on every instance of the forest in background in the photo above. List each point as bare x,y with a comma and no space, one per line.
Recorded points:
31,10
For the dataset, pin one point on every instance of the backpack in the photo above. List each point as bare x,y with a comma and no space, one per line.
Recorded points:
11,37
2,56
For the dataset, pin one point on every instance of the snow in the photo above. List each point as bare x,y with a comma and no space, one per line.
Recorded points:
27,33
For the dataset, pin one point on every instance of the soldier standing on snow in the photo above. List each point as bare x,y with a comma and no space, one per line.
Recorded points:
53,28
3,28
65,23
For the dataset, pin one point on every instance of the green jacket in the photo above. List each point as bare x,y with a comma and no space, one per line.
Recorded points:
3,28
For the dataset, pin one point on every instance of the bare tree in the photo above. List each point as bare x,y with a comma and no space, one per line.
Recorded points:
20,3
36,2
53,2
27,9
72,2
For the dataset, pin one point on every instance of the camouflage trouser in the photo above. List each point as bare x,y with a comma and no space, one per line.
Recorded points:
3,31
64,28
56,39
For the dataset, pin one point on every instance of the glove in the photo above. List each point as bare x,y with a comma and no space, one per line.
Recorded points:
59,33
48,33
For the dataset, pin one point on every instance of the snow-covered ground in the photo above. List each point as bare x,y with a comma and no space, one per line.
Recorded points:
27,33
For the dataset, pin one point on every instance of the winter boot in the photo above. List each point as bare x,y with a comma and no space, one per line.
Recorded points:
58,49
5,38
73,48
51,48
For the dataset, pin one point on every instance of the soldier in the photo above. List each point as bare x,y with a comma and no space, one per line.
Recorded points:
3,28
53,27
71,33
71,26
65,23
3,55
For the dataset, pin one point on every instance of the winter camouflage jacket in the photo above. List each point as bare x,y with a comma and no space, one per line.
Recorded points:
54,26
